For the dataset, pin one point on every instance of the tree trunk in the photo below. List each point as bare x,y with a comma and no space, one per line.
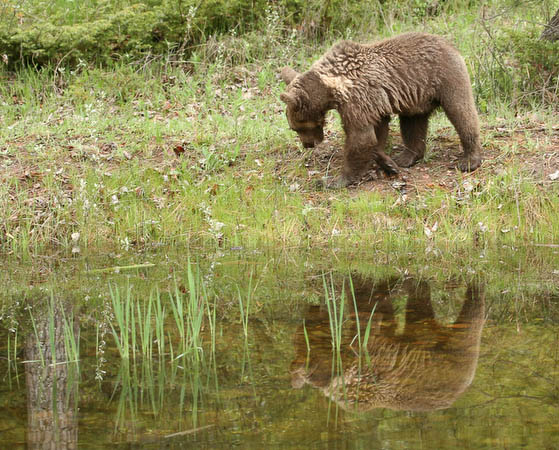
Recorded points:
551,31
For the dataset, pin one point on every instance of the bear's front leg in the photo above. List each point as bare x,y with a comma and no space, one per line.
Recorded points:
383,160
358,157
362,147
386,163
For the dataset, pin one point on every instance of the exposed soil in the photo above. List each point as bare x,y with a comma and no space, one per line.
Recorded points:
534,149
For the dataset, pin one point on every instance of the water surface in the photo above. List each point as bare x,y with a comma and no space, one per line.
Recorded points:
366,357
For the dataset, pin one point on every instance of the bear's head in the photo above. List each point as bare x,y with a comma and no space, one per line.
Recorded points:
307,102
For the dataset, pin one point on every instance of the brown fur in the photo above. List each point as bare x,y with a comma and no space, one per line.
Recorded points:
427,366
409,75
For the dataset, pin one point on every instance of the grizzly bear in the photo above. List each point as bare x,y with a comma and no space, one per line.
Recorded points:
409,75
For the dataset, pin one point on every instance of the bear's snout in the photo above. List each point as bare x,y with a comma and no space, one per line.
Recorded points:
311,138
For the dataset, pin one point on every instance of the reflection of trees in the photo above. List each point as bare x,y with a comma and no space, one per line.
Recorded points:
51,389
426,366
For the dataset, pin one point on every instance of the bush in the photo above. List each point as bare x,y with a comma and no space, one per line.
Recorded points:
129,30
513,66
105,31
536,64
101,30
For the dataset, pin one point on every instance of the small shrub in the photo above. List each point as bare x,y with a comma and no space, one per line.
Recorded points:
130,30
514,66
537,65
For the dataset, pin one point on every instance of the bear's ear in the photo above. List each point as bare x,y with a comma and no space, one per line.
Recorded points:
290,99
288,74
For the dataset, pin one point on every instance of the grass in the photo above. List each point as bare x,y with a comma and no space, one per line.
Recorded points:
138,324
152,348
345,322
177,325
150,156
244,307
132,165
336,307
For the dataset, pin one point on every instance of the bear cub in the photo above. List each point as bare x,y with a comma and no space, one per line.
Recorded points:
410,75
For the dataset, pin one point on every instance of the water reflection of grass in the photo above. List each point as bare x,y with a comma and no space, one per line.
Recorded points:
335,308
57,317
141,324
162,385
11,358
162,350
167,390
160,355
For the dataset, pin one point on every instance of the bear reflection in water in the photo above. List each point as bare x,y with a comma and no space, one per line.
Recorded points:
425,366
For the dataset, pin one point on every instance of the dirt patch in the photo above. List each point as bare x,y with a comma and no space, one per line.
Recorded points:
533,149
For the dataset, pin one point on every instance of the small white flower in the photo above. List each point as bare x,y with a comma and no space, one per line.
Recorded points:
429,231
307,209
217,226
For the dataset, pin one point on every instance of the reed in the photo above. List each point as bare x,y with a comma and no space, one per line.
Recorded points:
244,306
123,313
336,306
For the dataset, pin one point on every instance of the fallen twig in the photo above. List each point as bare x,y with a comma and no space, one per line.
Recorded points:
191,431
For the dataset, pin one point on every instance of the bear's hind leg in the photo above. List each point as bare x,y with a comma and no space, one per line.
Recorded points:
414,134
461,112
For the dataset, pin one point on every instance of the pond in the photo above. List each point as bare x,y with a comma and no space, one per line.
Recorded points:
293,350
